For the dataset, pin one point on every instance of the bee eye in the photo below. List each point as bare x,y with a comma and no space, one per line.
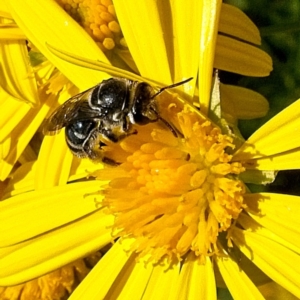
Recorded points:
141,113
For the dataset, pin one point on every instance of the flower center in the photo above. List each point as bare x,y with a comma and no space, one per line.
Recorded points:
175,194
98,18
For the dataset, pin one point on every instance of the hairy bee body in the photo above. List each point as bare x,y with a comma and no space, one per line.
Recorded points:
105,113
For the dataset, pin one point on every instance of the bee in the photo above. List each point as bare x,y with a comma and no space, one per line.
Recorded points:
106,113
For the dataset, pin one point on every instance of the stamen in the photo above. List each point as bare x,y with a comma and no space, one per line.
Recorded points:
171,204
98,18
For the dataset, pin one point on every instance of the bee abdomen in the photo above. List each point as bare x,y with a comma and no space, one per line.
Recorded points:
77,134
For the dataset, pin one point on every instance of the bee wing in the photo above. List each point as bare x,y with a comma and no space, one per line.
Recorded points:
66,113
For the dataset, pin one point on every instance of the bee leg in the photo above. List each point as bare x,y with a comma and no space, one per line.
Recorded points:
110,161
133,131
89,147
127,127
94,155
107,160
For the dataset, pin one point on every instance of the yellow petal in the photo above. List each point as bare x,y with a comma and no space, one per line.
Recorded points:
44,71
49,208
100,66
289,160
278,135
99,281
54,249
251,225
120,278
274,291
265,208
272,258
238,283
93,65
243,103
146,26
209,23
132,281
56,158
239,57
22,134
193,273
83,168
5,148
4,11
17,78
28,155
21,181
24,178
160,278
12,112
245,265
235,23
186,32
46,23
11,32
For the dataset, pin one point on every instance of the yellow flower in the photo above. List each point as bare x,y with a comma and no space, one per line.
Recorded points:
178,204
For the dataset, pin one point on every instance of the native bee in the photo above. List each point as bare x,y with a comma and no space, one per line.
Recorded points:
105,113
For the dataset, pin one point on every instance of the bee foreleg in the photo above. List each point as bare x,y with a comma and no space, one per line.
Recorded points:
89,147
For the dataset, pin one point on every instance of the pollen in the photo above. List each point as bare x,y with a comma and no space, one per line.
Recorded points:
175,194
98,18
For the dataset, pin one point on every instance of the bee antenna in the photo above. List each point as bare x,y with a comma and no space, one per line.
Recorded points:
171,86
174,130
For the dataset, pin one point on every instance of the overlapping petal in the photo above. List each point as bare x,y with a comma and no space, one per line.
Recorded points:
142,28
277,261
185,24
278,135
12,110
236,280
289,160
50,207
209,23
22,134
4,11
28,155
243,103
11,32
235,23
20,263
17,79
111,264
191,274
46,23
239,57
159,279
24,179
54,162
21,181
265,208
